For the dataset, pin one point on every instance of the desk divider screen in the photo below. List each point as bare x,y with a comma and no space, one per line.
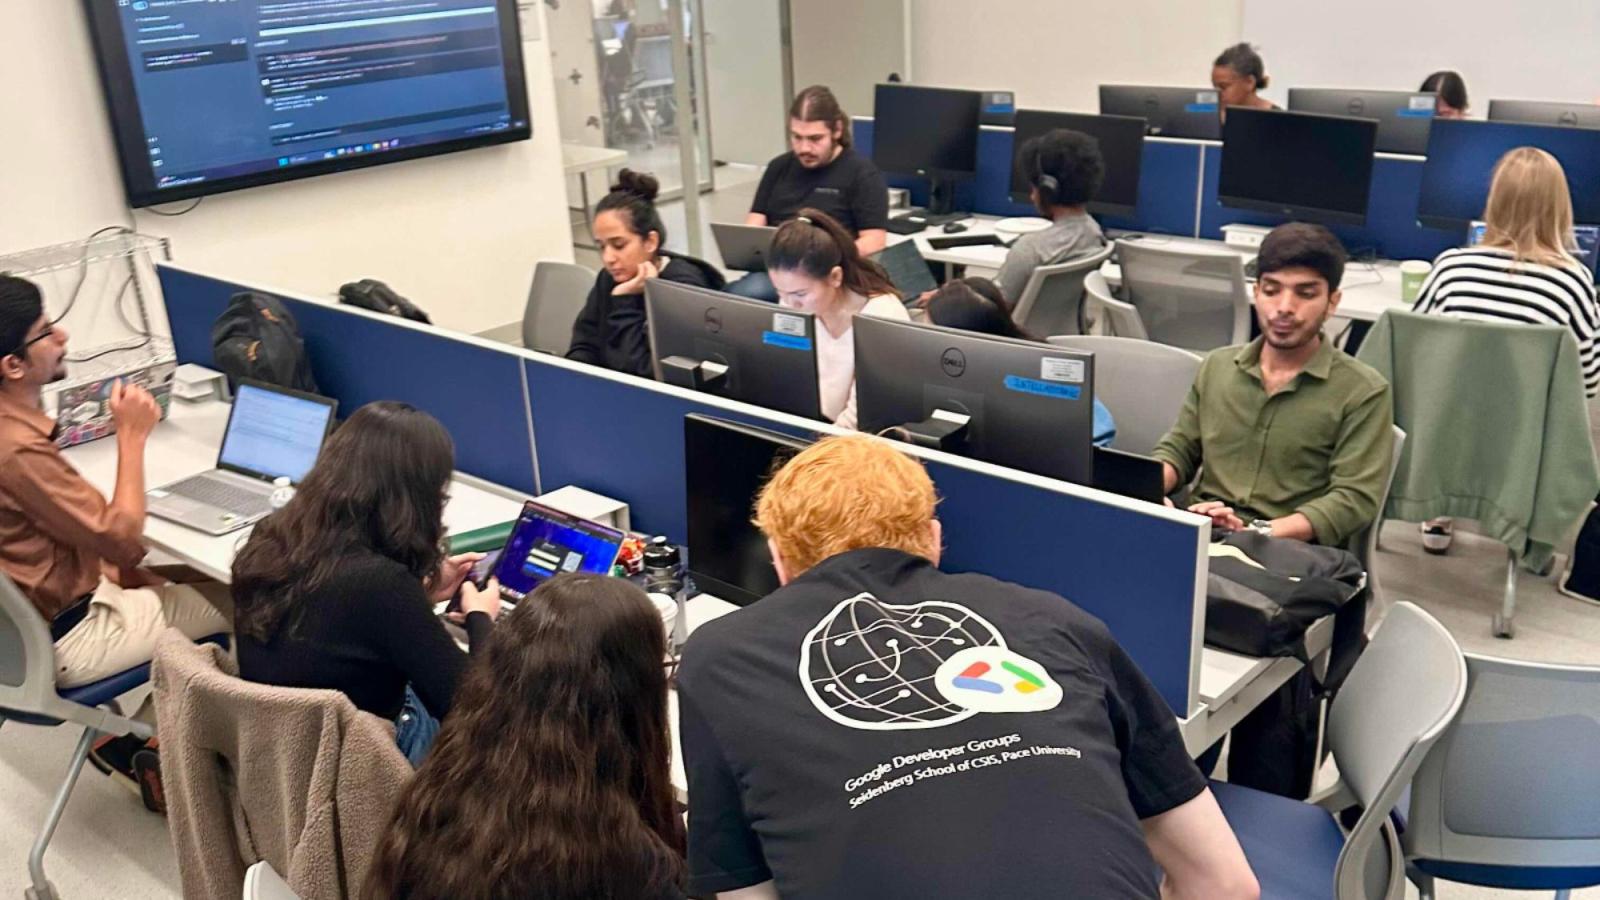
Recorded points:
623,437
358,357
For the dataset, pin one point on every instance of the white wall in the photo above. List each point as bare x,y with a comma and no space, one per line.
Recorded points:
1055,53
1542,55
459,234
851,59
744,75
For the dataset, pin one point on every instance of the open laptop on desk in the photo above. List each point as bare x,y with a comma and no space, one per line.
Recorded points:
272,433
743,247
545,543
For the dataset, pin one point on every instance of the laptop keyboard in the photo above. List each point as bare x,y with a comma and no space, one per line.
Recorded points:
216,492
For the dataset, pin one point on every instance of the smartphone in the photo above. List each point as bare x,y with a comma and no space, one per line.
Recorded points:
479,576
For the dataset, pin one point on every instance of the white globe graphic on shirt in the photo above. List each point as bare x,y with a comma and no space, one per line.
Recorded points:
871,665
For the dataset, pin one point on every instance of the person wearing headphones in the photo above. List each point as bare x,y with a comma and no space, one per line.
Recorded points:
1237,74
1065,170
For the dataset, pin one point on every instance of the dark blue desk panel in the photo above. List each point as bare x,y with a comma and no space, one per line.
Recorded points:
1391,229
625,440
476,392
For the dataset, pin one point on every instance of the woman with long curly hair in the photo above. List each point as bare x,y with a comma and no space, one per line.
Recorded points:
551,779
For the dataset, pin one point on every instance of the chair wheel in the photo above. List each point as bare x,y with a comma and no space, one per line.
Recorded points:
49,893
1503,628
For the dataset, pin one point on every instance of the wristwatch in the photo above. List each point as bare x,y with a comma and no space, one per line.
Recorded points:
1262,527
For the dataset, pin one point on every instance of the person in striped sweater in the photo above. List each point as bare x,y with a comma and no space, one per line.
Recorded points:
1522,271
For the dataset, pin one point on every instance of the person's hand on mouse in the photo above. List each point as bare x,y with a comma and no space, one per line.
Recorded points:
486,601
453,570
1223,518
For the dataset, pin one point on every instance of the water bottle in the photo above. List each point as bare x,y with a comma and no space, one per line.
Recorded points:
663,574
282,492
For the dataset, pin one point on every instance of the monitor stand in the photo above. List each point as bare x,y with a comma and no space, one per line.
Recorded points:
695,374
940,209
944,430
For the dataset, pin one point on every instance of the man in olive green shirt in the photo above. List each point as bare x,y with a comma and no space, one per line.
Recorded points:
1292,436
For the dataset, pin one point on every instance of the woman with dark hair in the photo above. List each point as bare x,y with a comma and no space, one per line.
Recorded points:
816,268
336,590
1237,74
1450,94
552,780
611,330
976,304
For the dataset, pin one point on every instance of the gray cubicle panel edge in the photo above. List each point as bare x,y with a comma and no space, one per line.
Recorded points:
1198,525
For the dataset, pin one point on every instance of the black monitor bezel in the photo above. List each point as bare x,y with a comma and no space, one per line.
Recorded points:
1097,205
1296,211
928,171
1349,94
114,68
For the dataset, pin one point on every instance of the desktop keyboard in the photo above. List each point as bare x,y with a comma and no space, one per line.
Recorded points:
234,498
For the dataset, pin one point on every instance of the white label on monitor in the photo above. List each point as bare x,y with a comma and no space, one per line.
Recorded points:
1205,96
784,323
1424,102
1057,369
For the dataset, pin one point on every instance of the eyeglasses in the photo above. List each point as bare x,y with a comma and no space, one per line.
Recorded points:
20,351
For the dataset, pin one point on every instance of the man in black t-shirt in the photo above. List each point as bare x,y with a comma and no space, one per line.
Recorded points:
878,728
821,171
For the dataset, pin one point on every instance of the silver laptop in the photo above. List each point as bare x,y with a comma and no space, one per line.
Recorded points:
743,247
272,433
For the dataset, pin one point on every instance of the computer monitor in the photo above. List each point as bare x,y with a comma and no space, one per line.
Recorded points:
1462,156
726,465
1016,403
1170,112
1316,168
1403,116
742,349
1545,112
1121,145
926,131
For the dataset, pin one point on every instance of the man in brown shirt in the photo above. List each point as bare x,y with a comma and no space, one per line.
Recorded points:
75,555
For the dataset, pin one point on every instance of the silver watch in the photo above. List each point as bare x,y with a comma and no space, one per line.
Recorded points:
1262,527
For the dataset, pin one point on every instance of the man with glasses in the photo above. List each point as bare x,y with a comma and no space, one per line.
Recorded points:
73,554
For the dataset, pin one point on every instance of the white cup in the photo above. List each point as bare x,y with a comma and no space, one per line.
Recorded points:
668,608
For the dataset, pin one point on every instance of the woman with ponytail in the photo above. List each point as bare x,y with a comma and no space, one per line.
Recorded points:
611,330
816,268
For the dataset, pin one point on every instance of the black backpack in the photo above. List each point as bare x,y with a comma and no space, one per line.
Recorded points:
370,293
257,338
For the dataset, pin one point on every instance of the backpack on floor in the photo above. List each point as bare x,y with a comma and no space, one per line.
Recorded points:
257,338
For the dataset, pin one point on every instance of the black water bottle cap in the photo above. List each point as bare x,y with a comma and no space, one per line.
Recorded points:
661,555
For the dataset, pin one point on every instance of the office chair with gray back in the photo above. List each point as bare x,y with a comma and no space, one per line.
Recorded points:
1401,695
1364,543
262,882
557,296
1142,383
29,696
1109,314
1510,795
1052,301
1196,300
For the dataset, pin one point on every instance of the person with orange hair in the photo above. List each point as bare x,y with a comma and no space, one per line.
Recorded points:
878,728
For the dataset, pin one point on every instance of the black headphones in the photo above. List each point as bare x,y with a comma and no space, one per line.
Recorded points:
1049,188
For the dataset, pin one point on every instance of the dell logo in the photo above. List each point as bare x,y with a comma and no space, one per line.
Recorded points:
1357,106
953,362
1567,118
714,320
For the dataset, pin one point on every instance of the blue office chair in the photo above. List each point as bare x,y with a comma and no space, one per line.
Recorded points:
28,695
1510,795
1400,696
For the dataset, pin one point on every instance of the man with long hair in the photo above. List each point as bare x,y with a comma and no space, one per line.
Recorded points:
822,171
878,728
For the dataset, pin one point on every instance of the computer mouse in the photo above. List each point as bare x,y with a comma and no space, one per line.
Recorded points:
954,228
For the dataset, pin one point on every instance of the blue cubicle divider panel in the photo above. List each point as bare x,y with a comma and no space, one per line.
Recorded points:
1391,230
625,440
476,392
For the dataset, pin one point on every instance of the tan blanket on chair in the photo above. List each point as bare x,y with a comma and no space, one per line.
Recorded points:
299,778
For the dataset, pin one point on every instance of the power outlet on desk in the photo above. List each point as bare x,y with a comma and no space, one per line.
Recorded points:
1245,237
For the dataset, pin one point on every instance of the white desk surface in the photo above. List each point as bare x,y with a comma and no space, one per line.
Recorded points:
1369,289
186,444
576,158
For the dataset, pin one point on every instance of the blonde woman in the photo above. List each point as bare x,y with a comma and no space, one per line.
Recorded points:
1522,271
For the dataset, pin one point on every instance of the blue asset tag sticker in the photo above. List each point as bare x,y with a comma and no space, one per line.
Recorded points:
1057,369
1419,107
1041,388
1204,101
786,341
784,323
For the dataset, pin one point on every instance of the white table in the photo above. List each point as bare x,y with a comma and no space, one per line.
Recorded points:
186,444
580,160
1369,288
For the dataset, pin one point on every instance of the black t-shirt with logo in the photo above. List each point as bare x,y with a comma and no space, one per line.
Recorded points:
878,728
850,189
